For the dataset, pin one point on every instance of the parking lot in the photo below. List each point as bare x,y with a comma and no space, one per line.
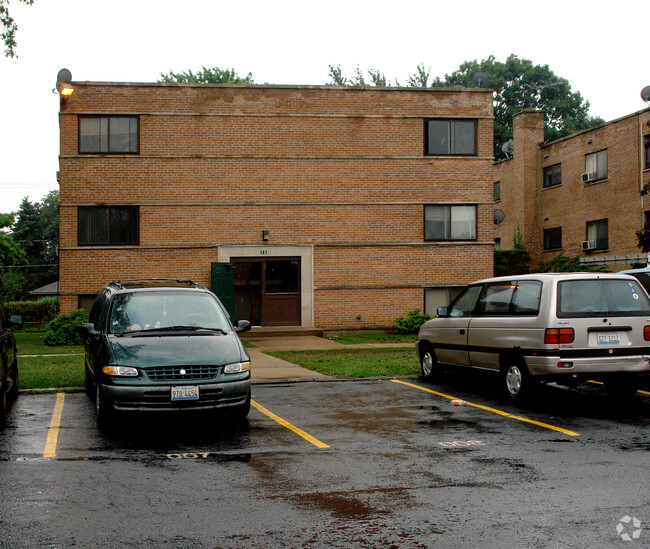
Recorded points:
387,462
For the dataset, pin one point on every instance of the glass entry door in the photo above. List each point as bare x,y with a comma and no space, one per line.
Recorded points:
267,291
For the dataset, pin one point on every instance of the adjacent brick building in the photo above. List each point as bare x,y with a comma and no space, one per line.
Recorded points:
579,195
334,207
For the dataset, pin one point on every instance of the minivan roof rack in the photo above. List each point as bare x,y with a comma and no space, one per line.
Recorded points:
152,282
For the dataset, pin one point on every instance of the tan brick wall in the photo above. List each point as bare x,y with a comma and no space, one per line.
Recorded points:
341,169
574,203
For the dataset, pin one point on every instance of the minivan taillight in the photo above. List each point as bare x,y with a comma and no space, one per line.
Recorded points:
555,336
646,333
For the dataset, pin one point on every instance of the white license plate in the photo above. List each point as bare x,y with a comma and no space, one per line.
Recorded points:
185,392
608,338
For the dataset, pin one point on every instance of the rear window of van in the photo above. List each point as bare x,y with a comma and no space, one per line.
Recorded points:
601,297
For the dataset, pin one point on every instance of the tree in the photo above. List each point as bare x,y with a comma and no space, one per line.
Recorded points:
50,226
28,230
9,27
519,84
358,80
211,75
11,255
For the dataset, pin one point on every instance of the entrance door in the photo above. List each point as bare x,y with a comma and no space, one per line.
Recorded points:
267,291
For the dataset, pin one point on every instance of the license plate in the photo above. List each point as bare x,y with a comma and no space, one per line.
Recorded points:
185,392
608,338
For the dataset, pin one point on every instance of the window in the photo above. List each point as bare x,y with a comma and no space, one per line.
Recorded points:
438,297
597,231
646,143
497,191
596,165
497,243
552,175
510,298
450,222
106,225
465,303
450,136
108,134
602,297
553,238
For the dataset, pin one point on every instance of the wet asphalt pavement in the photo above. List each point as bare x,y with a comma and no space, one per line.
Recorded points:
403,467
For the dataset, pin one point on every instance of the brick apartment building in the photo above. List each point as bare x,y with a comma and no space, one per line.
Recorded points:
309,206
579,195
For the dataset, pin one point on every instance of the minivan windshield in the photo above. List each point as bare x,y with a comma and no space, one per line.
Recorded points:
144,311
601,297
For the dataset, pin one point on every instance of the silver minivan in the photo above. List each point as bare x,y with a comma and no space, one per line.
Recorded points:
560,327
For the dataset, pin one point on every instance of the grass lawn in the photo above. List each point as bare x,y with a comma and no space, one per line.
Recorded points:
387,361
47,371
356,338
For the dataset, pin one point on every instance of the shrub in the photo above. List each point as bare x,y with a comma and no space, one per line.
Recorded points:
64,329
35,312
412,322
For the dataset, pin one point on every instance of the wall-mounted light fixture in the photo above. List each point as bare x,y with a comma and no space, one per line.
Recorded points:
265,236
64,83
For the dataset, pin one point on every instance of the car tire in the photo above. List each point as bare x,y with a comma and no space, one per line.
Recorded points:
104,416
429,366
13,392
621,387
516,382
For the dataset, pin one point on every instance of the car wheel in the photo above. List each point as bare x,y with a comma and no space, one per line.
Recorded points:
89,386
429,364
621,387
104,419
13,392
516,382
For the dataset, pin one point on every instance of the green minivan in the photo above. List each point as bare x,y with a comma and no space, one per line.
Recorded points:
158,345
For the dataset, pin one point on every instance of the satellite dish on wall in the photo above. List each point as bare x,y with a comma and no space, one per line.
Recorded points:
64,75
508,147
480,79
645,94
499,216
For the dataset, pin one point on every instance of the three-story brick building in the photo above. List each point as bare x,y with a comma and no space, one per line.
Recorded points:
318,206
579,195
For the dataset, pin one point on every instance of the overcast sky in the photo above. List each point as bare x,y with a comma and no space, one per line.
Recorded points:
600,47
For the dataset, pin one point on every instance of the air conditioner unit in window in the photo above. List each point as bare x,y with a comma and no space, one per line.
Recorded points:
588,245
587,177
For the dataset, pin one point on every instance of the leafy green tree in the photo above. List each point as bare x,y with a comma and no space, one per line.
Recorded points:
11,255
518,84
358,80
420,79
207,75
28,230
9,27
50,226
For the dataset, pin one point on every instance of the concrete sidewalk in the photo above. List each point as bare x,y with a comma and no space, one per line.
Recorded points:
266,368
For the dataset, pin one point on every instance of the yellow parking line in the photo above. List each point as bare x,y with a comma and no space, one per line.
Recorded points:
288,425
493,410
601,383
53,433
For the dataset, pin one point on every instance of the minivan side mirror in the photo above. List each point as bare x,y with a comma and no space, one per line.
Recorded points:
16,320
443,311
242,326
88,329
